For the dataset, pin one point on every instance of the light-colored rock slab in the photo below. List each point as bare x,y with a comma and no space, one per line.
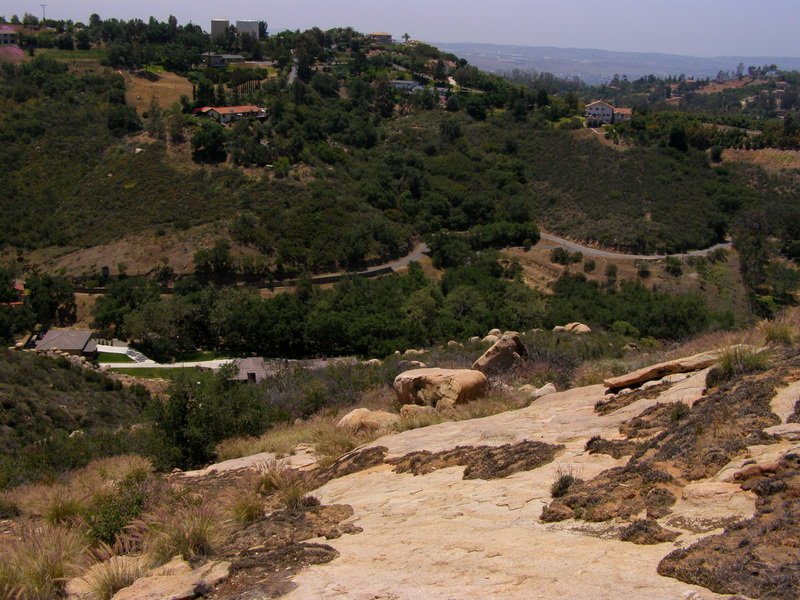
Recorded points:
303,457
681,365
178,586
755,455
789,431
785,399
504,354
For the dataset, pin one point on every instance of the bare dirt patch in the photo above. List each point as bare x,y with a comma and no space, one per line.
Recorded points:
770,159
165,86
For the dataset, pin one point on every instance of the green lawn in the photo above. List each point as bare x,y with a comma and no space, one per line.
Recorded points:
151,372
109,357
96,53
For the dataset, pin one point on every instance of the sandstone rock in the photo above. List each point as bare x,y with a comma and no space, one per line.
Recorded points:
179,586
681,365
413,352
453,343
440,388
374,362
533,392
559,329
474,339
580,328
491,339
363,419
505,352
511,333
410,411
407,365
495,332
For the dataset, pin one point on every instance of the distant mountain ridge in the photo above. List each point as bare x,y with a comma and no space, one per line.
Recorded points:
598,66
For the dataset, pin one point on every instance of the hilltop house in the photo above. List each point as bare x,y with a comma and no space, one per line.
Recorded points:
226,114
8,35
381,37
599,113
622,114
403,85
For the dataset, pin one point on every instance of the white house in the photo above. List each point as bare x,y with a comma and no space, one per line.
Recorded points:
622,114
599,113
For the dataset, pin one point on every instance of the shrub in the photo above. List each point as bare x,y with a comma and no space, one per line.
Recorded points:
565,479
62,504
734,360
9,506
589,265
110,514
778,330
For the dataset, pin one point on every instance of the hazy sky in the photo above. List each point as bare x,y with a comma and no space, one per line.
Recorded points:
689,27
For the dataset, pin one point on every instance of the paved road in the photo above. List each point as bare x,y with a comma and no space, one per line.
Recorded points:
606,254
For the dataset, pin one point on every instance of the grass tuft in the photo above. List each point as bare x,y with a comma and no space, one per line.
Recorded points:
191,532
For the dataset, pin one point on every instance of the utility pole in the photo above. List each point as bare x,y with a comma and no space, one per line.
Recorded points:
43,7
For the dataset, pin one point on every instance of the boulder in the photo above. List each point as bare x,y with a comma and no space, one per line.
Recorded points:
177,586
410,411
503,355
496,332
364,419
407,365
511,333
413,352
440,388
559,329
453,343
491,339
681,365
374,362
534,393
474,339
579,328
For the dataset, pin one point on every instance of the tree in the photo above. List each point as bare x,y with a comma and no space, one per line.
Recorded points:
155,123
53,300
208,142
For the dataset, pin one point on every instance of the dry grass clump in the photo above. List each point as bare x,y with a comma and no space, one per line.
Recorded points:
39,559
192,532
9,506
782,330
484,407
280,440
416,421
288,484
119,468
331,442
593,372
106,578
716,340
61,504
242,503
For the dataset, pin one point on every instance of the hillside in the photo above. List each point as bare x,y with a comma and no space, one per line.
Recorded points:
601,489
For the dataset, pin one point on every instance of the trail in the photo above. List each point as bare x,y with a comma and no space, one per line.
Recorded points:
575,247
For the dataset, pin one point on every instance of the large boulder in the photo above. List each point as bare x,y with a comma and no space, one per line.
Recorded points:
440,388
414,411
364,419
503,355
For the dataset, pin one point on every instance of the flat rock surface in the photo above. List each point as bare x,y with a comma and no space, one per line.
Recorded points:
785,399
438,535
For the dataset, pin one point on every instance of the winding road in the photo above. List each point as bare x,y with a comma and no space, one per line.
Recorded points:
575,247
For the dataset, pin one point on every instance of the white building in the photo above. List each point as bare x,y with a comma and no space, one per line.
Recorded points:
599,113
218,27
250,27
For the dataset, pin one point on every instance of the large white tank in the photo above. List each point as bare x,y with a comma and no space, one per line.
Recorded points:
218,26
250,27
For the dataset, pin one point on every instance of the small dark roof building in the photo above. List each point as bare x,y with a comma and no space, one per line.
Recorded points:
70,341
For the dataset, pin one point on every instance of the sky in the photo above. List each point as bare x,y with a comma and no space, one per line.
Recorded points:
704,28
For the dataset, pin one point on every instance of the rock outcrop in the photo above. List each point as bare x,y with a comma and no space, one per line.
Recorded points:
534,393
440,388
504,354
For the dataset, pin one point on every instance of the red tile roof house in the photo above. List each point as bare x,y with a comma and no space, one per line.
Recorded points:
226,114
